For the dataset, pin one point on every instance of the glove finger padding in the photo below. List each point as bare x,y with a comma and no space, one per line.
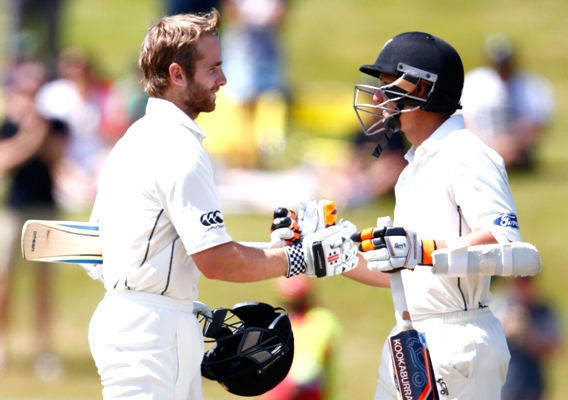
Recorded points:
284,228
314,216
330,251
308,216
380,260
390,249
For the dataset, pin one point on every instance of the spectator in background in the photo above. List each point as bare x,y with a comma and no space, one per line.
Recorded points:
30,148
508,108
254,67
95,123
532,331
314,374
126,95
34,29
363,179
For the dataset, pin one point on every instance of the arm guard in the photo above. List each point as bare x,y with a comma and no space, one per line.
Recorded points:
515,258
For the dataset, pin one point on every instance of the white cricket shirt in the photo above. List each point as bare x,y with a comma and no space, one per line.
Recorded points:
453,184
157,204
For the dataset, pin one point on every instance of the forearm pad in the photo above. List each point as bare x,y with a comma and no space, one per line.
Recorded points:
516,258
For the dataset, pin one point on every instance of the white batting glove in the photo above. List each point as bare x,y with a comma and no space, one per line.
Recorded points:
200,308
314,216
389,249
327,252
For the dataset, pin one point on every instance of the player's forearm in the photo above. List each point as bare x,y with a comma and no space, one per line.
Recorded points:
364,275
234,262
481,252
475,238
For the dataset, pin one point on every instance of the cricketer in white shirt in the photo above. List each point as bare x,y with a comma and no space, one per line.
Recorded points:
167,210
454,184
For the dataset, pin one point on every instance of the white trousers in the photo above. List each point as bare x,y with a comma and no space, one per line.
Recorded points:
147,346
469,355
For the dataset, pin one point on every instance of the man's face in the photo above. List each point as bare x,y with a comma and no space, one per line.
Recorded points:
373,107
200,92
379,97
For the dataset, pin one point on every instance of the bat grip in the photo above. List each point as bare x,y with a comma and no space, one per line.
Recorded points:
399,298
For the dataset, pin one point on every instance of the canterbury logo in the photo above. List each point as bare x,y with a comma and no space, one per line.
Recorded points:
212,218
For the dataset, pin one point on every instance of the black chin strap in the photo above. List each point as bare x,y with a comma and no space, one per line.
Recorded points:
391,126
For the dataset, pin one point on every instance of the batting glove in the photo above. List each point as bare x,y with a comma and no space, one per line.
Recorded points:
284,228
314,216
200,308
389,249
327,252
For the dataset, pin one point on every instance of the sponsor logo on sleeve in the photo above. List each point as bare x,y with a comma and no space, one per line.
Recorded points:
212,219
507,221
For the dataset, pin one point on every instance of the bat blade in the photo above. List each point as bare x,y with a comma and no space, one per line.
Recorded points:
412,366
61,241
70,242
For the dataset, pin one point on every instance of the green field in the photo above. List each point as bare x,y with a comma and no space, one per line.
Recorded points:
326,41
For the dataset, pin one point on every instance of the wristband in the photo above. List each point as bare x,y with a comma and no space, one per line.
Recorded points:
296,259
428,247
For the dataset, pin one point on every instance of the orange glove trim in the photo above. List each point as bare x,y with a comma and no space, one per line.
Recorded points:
428,247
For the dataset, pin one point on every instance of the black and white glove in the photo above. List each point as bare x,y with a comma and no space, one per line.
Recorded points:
284,228
389,249
327,252
312,216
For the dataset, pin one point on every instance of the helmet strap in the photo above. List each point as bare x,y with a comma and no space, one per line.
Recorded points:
391,126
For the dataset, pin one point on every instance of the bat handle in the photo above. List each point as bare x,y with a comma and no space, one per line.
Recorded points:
397,286
399,298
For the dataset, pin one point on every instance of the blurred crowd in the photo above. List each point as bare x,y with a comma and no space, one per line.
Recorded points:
59,118
533,330
510,108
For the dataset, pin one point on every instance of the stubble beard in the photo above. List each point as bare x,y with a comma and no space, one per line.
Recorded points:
197,99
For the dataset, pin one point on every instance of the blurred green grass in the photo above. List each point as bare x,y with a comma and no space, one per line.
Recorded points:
325,41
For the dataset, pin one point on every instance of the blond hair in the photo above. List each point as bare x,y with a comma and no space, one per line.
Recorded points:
173,39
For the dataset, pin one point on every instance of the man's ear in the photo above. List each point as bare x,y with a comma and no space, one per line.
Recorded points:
177,74
423,89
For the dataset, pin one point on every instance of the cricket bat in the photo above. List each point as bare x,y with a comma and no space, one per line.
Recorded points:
61,242
70,242
78,242
412,365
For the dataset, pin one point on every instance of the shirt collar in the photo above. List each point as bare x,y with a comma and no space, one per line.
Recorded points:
168,110
434,141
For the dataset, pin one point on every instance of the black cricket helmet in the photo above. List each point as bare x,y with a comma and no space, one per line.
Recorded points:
253,350
412,57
